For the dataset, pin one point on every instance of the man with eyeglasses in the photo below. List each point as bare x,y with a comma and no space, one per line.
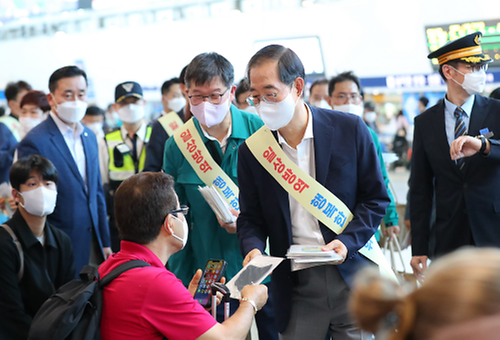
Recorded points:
345,95
221,127
455,159
318,153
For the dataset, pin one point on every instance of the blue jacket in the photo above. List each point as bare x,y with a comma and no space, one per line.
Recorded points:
77,210
348,166
8,146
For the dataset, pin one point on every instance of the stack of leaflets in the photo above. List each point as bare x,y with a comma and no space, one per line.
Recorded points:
218,204
312,254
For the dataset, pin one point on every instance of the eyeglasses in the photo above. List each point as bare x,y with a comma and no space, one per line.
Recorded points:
268,97
183,209
214,98
354,98
476,67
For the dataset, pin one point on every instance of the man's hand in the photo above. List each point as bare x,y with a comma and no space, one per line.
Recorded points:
419,266
253,253
107,252
230,227
391,231
466,146
338,247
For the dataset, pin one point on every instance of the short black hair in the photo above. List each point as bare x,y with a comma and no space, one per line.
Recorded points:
65,72
289,65
165,88
12,89
243,87
344,76
93,110
370,106
21,170
320,81
495,93
142,203
182,76
206,67
424,100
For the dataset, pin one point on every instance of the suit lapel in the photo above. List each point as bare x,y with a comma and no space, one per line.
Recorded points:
86,150
439,126
478,116
476,123
60,144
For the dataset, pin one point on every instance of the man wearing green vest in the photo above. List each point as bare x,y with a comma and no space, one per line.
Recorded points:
126,146
221,127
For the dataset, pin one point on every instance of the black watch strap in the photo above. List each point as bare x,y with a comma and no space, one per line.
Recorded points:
483,143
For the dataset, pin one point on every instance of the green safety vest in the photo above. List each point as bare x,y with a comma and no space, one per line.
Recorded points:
119,174
13,125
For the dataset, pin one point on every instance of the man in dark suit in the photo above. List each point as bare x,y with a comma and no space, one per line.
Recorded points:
455,159
172,99
80,210
337,150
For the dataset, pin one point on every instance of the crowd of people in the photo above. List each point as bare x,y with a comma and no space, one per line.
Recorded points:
98,187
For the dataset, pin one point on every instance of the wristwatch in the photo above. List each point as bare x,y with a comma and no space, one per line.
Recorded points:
483,143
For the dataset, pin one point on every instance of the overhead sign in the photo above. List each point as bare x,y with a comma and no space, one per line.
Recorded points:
437,36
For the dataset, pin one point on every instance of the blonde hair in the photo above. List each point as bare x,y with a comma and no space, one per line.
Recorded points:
459,287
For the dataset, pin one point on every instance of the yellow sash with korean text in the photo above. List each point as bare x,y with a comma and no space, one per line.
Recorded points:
313,196
170,122
195,152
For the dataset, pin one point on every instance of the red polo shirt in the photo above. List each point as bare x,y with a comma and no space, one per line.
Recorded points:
149,302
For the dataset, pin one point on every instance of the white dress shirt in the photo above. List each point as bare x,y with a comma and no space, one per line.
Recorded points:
73,139
450,119
223,144
305,227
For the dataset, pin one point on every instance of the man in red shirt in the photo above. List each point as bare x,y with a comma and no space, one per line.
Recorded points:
150,302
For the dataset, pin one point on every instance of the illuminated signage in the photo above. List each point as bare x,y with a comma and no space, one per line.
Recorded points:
437,36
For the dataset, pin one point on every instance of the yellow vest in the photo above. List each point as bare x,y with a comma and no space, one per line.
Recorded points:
114,140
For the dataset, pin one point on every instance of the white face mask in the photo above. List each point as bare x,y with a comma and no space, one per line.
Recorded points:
96,127
210,114
176,104
323,104
370,117
40,201
131,113
183,233
279,114
350,108
28,123
473,82
71,112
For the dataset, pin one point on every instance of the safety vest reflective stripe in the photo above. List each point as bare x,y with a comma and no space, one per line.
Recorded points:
128,169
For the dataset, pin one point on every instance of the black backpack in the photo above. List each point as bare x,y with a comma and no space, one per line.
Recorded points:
74,310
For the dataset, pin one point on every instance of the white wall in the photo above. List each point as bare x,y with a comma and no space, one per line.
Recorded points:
371,37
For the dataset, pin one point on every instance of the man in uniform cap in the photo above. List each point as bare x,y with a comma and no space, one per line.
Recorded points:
125,148
456,159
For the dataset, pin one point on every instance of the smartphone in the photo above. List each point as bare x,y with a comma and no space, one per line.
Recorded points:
213,272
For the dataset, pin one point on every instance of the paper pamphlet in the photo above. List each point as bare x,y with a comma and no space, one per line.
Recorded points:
305,256
253,273
217,203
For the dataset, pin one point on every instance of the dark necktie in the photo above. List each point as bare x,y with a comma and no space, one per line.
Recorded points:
460,130
134,148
